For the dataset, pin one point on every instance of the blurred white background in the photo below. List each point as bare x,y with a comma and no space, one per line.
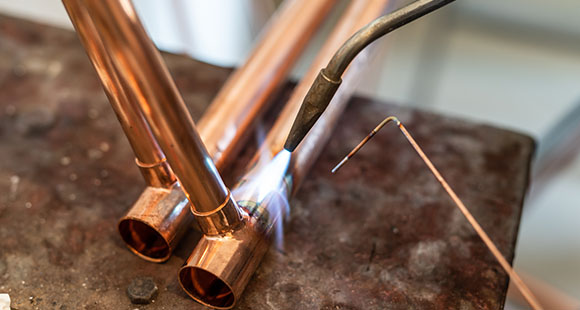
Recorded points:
511,63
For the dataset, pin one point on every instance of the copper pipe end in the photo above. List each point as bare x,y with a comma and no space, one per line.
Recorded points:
206,288
220,267
156,222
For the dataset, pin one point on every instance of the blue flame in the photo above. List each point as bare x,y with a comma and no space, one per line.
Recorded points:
264,186
271,176
265,178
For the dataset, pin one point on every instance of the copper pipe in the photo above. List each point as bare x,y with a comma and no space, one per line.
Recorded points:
159,218
221,266
227,121
149,156
154,225
140,66
232,113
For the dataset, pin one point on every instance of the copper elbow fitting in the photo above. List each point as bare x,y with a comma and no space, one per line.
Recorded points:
159,218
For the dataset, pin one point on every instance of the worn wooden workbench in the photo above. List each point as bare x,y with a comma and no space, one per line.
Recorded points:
381,234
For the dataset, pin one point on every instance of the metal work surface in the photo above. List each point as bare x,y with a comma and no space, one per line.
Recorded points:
380,234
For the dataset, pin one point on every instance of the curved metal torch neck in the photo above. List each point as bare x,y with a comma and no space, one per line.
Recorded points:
376,29
323,89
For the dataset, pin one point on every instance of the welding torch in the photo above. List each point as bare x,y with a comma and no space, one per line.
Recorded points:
330,78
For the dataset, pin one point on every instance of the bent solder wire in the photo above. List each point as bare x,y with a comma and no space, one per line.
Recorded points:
522,287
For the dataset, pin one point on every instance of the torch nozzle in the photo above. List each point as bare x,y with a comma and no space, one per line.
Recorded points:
315,102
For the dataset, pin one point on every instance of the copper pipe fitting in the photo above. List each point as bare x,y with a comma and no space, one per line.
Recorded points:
225,266
220,267
154,225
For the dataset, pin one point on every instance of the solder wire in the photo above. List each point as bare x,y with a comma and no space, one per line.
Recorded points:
522,287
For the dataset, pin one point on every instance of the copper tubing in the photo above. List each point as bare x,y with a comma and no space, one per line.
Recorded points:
140,66
152,227
232,113
220,267
225,124
149,156
227,121
159,218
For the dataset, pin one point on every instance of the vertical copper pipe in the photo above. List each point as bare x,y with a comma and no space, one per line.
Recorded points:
141,67
232,113
149,156
219,268
162,202
149,228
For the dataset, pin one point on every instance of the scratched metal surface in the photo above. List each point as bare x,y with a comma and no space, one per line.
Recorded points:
381,234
